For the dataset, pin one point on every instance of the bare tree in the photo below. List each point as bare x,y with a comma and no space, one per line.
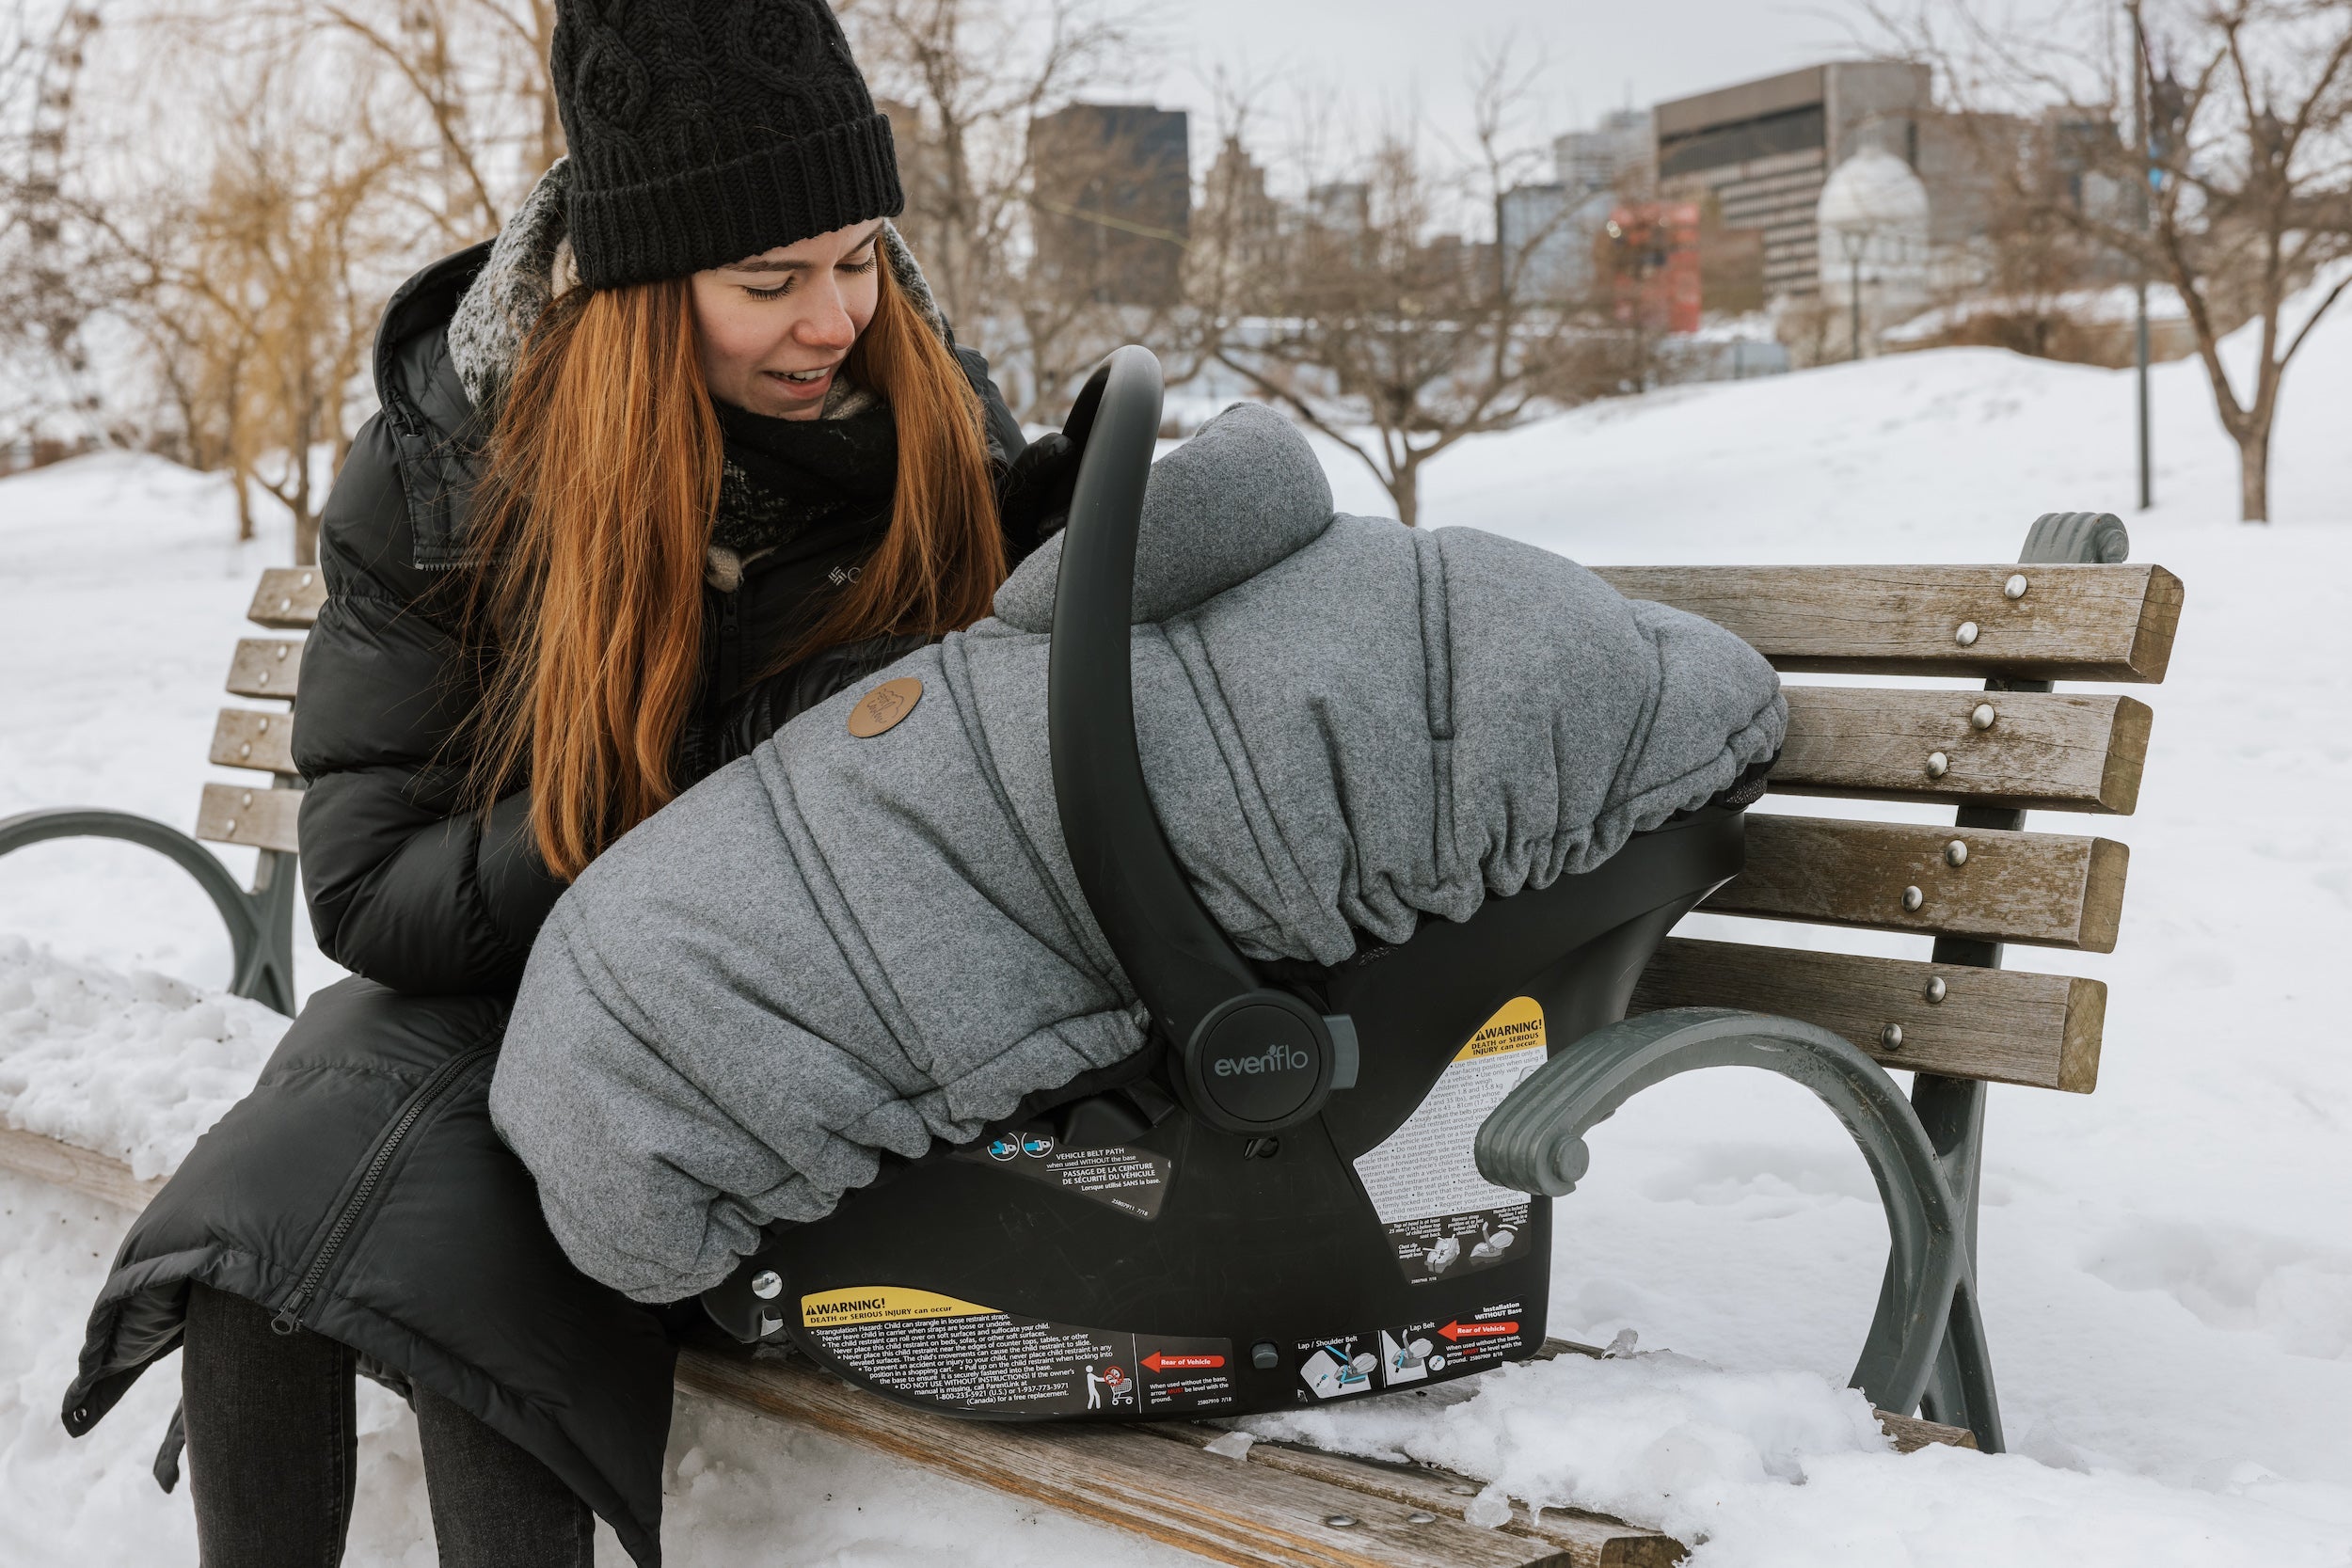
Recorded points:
2241,200
975,76
1390,336
473,78
258,295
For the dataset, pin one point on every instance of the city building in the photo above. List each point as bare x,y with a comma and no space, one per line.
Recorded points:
1545,238
1342,207
1619,150
1761,151
1113,198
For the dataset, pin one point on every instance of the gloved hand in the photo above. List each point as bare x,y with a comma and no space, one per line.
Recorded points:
772,702
1033,499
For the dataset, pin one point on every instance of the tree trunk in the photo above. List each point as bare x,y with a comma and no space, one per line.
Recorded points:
2253,461
1403,488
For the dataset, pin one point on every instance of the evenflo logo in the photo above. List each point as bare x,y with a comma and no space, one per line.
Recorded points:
1276,1059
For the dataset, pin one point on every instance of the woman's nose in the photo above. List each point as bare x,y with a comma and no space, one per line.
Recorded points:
827,325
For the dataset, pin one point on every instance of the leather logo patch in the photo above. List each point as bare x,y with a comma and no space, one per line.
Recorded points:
882,707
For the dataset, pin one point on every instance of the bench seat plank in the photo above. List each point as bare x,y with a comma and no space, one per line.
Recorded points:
249,813
2072,623
2040,751
248,738
2006,1026
1244,1514
288,598
266,667
1591,1540
2051,889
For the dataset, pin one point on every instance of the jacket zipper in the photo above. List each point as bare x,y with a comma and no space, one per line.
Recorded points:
430,1093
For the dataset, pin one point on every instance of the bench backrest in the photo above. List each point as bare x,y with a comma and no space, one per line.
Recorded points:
1966,748
2023,750
262,815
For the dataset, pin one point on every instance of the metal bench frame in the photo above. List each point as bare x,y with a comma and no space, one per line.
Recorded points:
260,919
1926,1349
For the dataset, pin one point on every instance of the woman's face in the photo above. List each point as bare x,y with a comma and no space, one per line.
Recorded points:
774,327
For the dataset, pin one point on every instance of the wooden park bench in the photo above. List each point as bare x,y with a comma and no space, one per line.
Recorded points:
2072,610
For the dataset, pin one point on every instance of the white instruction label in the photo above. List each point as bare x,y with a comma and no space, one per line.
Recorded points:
1442,1216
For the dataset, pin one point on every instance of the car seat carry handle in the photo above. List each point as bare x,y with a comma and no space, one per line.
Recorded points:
1251,1059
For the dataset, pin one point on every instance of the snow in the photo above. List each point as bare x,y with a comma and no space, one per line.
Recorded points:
132,1065
2167,1265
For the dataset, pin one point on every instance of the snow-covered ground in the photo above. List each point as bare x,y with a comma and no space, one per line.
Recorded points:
2167,1265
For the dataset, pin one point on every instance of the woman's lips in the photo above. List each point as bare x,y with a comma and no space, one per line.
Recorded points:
816,387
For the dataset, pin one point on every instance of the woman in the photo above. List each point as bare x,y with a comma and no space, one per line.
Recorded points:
733,462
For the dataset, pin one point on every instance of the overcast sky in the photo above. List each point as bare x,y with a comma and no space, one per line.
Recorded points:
1599,53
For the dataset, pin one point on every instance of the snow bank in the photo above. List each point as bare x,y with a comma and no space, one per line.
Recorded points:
132,1065
1783,1470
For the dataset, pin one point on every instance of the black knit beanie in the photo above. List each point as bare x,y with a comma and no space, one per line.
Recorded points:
705,130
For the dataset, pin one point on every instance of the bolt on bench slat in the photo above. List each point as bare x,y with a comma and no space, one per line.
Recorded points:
2066,623
2046,889
266,667
251,815
289,598
248,738
2005,1025
2031,751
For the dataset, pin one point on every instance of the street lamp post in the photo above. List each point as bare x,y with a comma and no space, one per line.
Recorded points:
1854,242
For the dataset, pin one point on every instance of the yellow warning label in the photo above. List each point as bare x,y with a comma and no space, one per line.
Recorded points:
1517,1026
882,1304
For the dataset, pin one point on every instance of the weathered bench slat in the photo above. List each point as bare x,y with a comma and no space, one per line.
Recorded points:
2009,1026
249,814
266,667
1240,1514
248,738
1590,1540
2050,890
2072,623
289,598
75,1169
2031,751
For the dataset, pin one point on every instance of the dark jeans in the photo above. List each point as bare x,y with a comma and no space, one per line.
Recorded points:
272,1451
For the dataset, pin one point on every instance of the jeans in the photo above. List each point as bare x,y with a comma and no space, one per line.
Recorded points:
273,1455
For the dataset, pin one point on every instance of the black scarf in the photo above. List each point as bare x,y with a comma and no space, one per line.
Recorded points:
791,481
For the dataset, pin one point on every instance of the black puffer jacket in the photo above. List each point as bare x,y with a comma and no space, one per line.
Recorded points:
360,1190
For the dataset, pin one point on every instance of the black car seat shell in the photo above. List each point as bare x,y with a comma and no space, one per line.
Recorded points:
1277,1204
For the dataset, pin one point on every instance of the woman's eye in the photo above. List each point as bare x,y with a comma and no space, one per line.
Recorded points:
777,293
866,265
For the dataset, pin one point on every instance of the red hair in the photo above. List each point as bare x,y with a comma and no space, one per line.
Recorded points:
595,518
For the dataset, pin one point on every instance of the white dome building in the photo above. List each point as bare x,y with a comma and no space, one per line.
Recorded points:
1873,224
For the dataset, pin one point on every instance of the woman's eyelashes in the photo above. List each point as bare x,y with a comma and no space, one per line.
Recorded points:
852,268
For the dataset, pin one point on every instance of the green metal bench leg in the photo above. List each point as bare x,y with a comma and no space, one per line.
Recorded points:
1535,1143
260,923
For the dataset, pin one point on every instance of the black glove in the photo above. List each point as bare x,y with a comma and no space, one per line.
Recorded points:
771,703
1033,499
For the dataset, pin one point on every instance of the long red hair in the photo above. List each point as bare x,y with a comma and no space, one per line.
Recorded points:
594,526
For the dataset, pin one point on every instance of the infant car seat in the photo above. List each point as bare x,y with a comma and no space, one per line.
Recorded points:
1277,1203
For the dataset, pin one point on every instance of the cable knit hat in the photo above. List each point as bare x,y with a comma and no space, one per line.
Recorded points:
705,130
